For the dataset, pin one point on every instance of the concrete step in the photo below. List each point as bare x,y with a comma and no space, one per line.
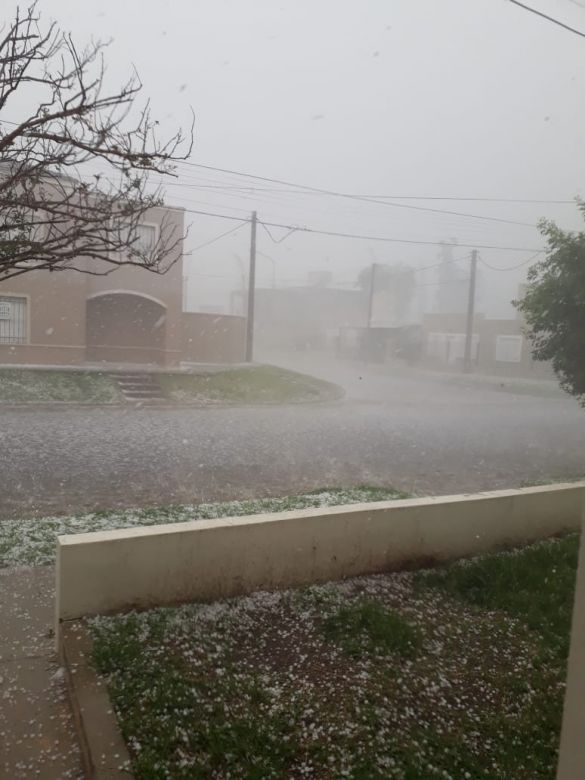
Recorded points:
143,398
138,387
137,384
144,391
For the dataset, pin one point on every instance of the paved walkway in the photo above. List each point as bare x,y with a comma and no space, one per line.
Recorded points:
37,737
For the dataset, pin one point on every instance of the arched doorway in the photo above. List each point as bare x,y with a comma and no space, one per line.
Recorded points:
125,327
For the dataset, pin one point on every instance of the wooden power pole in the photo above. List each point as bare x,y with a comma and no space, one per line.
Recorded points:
371,294
251,293
467,362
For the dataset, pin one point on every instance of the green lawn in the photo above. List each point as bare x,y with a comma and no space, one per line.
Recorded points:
534,585
254,385
32,541
19,385
258,384
452,673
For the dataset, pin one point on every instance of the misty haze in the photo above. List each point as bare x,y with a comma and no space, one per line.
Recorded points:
322,267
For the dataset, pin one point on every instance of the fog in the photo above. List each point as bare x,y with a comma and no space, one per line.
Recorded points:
391,151
412,99
316,324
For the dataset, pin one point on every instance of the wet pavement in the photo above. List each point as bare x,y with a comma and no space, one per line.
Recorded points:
37,736
415,431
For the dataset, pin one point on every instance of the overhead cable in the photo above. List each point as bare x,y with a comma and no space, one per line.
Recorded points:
548,18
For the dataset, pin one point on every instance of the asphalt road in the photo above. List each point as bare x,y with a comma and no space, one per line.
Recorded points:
421,433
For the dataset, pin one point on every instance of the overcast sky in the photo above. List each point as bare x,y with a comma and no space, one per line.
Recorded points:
457,98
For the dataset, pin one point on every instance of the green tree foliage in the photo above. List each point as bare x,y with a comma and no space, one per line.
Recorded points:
554,306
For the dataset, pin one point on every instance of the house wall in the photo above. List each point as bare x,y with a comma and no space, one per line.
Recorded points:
213,338
56,318
57,308
166,289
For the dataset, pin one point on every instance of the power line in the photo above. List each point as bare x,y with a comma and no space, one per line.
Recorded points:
442,262
410,269
512,267
276,240
397,240
335,284
548,18
475,199
367,197
380,199
387,239
350,196
248,188
217,238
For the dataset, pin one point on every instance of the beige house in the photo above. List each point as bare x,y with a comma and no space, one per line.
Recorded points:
128,316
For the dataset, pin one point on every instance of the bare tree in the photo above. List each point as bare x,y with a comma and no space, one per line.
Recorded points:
54,214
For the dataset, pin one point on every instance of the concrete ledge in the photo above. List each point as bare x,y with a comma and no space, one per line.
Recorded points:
213,559
103,749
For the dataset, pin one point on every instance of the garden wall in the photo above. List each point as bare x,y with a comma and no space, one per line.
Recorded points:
213,559
213,338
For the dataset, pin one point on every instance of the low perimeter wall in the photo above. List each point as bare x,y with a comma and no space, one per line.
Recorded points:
213,338
212,559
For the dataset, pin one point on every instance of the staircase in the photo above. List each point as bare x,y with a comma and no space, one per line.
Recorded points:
138,387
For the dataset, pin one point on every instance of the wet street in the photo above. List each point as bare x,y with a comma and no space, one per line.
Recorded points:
418,432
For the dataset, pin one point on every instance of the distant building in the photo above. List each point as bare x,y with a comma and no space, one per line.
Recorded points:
303,317
499,346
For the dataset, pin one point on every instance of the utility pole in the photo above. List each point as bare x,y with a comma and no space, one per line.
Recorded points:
371,295
251,293
467,363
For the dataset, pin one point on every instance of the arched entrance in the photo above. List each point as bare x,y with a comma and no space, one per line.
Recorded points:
125,327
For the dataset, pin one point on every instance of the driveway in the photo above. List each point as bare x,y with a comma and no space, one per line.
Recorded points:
418,432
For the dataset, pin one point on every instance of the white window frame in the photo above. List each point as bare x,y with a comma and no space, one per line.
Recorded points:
124,251
156,227
40,234
509,347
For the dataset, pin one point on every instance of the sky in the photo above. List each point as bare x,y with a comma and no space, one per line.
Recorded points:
399,98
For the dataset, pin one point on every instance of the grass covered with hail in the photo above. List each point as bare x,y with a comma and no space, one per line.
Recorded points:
404,676
32,541
256,384
20,385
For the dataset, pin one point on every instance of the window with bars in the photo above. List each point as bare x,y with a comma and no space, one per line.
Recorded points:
13,320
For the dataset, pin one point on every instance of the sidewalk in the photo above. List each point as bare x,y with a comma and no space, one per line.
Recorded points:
37,736
397,380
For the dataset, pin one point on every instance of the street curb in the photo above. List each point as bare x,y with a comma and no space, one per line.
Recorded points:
103,750
132,406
